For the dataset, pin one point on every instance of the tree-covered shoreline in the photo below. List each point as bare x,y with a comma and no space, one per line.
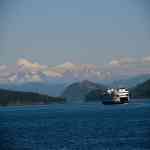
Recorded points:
9,98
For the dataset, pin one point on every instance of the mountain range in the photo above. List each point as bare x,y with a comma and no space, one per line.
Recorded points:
29,76
26,71
129,82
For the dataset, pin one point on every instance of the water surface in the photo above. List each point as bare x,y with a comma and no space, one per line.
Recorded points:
91,126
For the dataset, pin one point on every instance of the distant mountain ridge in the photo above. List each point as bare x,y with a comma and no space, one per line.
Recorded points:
129,82
77,91
25,71
30,76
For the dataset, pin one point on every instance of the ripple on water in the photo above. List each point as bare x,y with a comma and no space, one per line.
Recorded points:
76,127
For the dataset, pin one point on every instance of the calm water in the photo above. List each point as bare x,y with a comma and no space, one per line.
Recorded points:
76,127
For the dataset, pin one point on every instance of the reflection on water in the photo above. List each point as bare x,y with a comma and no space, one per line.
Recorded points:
90,126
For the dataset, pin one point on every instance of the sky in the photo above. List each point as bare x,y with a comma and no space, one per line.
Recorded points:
52,32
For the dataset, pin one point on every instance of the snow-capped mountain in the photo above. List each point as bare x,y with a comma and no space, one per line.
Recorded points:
25,71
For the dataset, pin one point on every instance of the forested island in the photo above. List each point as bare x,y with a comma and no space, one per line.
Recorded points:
8,98
79,90
141,91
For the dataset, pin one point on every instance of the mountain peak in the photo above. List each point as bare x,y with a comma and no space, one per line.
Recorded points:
28,64
86,81
23,61
66,65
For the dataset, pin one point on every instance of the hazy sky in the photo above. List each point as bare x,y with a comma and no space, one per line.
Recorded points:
81,31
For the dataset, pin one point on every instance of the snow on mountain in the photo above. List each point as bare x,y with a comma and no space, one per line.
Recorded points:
72,71
30,65
2,67
27,71
71,66
67,65
51,73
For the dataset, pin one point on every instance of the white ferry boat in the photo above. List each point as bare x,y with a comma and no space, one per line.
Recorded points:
116,96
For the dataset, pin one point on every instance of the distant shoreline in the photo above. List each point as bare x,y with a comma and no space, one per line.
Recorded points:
15,98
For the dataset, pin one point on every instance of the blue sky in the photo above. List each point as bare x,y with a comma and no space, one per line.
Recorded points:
81,31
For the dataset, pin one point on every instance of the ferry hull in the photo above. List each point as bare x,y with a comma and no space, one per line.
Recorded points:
111,102
115,101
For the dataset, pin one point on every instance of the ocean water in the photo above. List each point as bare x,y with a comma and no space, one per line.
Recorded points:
91,126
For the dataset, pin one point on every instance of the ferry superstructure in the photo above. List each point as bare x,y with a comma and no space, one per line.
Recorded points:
116,96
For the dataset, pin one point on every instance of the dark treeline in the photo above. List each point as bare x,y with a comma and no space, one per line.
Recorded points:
95,95
8,97
141,91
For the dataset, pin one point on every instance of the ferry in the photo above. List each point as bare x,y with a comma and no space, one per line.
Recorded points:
116,96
